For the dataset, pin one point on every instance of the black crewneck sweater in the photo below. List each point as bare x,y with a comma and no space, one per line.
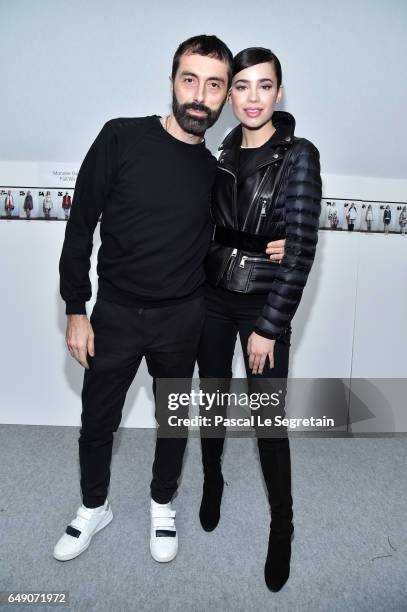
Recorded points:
153,192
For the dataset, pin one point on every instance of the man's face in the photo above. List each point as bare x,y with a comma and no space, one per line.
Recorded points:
199,92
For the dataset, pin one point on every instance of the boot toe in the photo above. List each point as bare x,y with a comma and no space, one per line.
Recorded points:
209,511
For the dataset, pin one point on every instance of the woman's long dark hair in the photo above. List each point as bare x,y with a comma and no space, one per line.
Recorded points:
256,55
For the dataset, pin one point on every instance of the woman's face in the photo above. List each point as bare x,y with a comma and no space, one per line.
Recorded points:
254,93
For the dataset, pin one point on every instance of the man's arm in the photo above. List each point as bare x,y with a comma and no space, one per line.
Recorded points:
91,190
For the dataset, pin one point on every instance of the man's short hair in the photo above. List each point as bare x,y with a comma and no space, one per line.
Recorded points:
204,45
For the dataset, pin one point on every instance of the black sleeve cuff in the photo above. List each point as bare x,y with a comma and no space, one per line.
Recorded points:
269,336
75,308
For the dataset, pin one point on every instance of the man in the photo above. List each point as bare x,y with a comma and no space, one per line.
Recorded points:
151,179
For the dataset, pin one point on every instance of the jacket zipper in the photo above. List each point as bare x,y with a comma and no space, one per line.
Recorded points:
246,258
273,195
262,214
265,176
231,258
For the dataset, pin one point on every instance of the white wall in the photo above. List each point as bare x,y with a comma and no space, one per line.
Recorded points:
69,65
74,65
337,329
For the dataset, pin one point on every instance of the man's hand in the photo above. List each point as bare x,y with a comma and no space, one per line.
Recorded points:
258,348
275,249
80,338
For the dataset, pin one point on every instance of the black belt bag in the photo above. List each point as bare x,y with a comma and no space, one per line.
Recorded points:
237,261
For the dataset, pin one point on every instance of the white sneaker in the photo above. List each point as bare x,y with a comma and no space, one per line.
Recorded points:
164,537
79,532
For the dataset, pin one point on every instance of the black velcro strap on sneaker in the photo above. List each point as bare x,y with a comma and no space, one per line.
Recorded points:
164,533
72,531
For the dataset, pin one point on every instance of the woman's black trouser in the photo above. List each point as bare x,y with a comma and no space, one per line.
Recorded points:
168,339
227,315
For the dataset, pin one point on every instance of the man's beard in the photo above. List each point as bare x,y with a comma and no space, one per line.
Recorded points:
191,124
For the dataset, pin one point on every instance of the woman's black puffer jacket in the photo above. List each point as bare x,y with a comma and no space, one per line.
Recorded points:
281,191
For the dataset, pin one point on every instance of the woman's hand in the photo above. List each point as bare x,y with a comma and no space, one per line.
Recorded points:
275,249
258,348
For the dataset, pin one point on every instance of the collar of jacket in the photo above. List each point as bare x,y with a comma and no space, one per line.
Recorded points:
284,136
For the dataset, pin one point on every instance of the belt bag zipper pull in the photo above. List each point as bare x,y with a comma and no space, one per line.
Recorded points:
247,258
231,258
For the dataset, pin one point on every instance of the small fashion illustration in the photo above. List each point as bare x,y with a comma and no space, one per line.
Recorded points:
47,205
9,205
66,204
403,220
333,216
386,219
351,217
369,218
28,204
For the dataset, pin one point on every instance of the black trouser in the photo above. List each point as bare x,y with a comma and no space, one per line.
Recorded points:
168,338
229,314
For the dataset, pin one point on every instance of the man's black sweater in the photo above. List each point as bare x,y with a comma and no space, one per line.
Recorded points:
153,191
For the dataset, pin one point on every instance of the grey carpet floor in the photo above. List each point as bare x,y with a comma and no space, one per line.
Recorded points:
349,549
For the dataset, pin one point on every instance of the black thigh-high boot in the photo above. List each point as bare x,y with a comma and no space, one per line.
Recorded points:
209,512
212,448
276,465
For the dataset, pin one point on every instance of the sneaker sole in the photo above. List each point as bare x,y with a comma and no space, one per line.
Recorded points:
167,559
164,560
108,518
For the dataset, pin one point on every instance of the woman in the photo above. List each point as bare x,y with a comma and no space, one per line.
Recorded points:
268,187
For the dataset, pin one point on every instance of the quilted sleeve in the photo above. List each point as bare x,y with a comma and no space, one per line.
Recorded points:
302,210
